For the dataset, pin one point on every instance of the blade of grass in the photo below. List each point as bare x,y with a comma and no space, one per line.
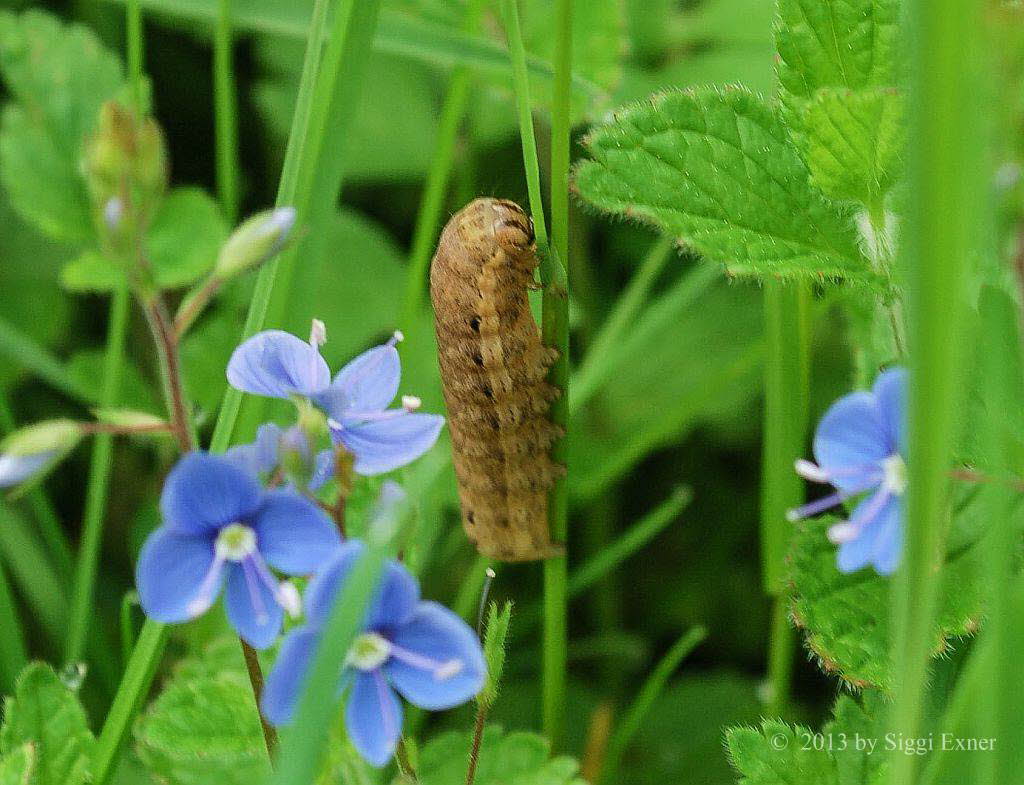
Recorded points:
13,654
98,482
634,716
594,367
225,112
946,203
787,340
398,33
635,538
428,218
555,334
304,149
34,358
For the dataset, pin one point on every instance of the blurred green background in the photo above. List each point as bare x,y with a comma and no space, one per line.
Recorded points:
680,407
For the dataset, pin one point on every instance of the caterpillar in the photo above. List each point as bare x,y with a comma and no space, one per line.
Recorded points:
493,369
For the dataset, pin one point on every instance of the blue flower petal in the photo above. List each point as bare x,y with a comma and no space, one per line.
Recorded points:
889,540
396,600
325,585
876,541
293,534
170,572
373,717
389,444
277,364
204,492
281,693
15,469
257,626
436,633
890,392
367,384
851,438
260,457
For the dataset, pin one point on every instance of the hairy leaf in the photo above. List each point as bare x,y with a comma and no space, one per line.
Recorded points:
781,754
835,43
204,727
716,169
182,244
846,617
16,767
516,756
853,142
58,75
46,714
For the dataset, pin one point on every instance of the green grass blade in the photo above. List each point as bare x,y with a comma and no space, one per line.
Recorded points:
13,654
946,204
34,358
633,718
635,538
225,112
99,479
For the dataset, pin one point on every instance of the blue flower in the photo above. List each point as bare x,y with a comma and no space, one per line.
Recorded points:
220,527
859,446
279,365
418,648
15,469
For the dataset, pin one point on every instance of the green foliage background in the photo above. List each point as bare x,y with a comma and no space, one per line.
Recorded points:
675,401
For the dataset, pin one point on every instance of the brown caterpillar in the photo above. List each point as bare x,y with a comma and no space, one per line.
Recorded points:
493,369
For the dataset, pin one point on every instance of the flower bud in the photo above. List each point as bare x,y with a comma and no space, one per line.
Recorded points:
29,452
255,241
126,157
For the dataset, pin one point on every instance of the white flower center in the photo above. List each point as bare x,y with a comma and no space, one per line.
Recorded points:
895,479
235,542
369,652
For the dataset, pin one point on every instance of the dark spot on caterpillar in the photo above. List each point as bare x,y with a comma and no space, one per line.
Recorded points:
485,261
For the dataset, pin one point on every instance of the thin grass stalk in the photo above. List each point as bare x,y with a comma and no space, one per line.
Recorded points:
152,639
787,340
13,654
945,204
98,482
428,217
225,112
555,333
632,720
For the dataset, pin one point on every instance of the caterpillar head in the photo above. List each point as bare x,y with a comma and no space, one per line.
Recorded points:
513,228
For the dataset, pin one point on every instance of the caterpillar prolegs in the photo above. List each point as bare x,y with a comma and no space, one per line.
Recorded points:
493,369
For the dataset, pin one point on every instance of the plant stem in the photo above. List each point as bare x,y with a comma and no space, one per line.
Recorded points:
98,482
555,334
194,304
787,339
946,202
255,671
170,364
478,737
135,47
13,654
225,113
428,218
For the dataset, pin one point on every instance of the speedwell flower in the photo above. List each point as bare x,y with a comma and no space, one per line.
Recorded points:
415,647
858,446
274,447
221,527
279,365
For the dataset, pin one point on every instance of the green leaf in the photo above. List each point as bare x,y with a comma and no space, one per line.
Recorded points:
58,75
846,617
182,244
853,142
835,43
781,754
204,727
514,757
16,768
45,713
716,169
